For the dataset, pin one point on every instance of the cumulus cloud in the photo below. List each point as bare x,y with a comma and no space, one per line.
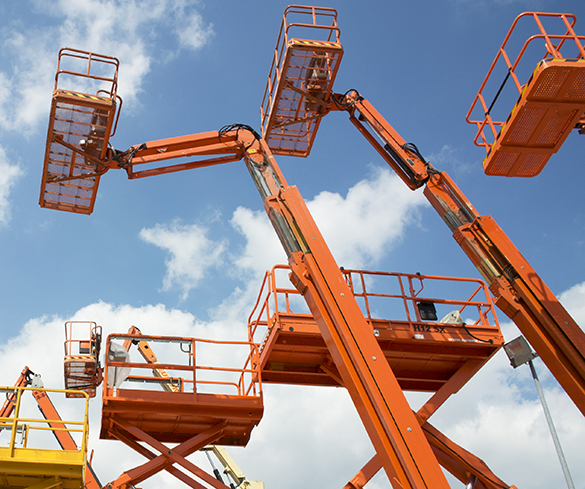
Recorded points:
127,29
362,227
192,253
9,174
449,159
262,249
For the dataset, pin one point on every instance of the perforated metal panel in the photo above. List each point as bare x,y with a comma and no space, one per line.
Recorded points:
293,112
549,108
79,128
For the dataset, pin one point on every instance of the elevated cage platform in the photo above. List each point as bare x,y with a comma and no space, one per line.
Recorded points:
549,105
427,342
81,364
206,396
82,120
300,80
25,459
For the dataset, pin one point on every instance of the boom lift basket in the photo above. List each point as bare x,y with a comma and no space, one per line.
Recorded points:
25,460
300,80
548,107
81,363
424,352
80,125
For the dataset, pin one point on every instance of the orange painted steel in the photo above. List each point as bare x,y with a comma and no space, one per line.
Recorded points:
300,79
395,431
211,405
81,364
174,417
392,426
465,466
517,289
549,106
80,125
424,354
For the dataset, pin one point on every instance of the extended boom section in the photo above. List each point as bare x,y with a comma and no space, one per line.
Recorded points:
392,426
518,290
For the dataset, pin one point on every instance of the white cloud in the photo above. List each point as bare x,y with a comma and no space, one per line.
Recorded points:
448,159
130,30
191,30
262,249
362,227
192,253
9,174
573,300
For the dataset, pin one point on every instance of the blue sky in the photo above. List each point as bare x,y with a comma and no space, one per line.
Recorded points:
185,253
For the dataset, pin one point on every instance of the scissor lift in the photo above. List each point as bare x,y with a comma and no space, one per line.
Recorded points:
80,125
428,344
210,405
549,106
25,461
300,79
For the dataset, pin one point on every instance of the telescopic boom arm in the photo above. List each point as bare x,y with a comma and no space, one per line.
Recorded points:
518,290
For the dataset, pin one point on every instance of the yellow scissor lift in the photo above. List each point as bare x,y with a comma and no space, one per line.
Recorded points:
301,77
23,464
80,126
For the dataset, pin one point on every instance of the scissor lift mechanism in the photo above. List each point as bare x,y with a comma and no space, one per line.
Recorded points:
401,445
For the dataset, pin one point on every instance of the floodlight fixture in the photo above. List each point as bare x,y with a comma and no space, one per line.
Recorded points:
519,352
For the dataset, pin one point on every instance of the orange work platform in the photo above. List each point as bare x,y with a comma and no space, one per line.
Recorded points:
224,401
81,362
80,125
427,344
300,79
549,105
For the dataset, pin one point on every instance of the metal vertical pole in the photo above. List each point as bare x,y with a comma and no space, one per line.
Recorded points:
551,426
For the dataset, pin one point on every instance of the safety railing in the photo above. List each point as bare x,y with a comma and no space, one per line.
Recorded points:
192,364
82,338
304,65
21,426
423,303
560,42
101,69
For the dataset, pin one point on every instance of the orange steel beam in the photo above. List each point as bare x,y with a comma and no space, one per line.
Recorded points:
458,461
518,290
387,417
23,380
168,456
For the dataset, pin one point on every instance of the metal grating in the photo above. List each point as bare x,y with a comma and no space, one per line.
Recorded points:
549,108
77,138
523,127
501,163
549,83
531,164
293,112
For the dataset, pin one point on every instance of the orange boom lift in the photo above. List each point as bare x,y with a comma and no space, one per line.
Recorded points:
298,94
